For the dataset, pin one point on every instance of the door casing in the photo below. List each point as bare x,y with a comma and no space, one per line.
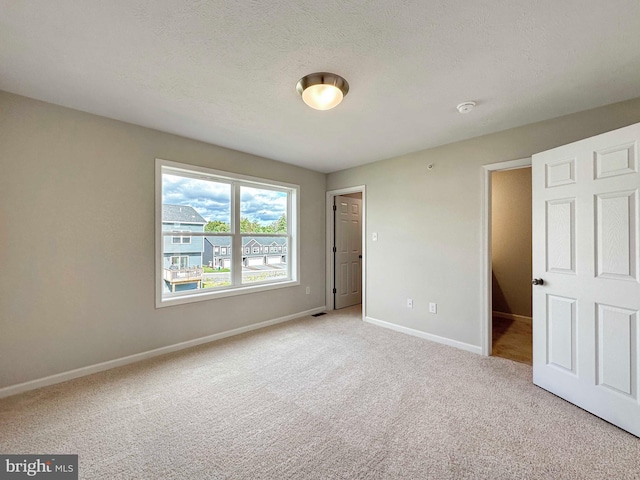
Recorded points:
485,282
329,244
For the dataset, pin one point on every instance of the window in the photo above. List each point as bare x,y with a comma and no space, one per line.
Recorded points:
180,239
179,262
232,211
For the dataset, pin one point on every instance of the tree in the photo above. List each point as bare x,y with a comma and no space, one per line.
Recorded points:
248,226
217,226
280,225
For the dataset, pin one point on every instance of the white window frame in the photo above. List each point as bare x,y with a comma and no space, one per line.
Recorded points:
164,299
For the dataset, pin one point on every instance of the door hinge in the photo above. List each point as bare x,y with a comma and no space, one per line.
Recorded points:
335,208
335,291
334,250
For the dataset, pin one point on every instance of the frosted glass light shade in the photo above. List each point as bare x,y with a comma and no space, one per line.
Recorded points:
322,90
322,97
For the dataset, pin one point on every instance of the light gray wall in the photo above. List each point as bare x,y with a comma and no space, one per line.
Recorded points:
429,221
77,241
511,241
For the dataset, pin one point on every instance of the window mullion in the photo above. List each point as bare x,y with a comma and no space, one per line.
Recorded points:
236,238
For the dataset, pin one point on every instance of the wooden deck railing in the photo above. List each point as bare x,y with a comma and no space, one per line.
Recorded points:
183,275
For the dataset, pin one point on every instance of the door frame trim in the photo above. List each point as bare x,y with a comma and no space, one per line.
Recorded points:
331,194
486,281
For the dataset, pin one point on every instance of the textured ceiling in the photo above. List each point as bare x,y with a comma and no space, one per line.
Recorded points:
225,71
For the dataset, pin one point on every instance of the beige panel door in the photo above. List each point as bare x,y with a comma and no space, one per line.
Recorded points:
586,334
348,251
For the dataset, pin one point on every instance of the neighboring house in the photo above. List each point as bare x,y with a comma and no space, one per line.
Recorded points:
255,251
217,252
180,249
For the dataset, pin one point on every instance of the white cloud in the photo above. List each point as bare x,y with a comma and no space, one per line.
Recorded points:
212,199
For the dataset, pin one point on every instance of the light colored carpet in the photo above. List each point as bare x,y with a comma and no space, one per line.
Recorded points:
318,398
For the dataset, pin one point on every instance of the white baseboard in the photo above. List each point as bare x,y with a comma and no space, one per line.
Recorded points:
427,336
512,316
118,362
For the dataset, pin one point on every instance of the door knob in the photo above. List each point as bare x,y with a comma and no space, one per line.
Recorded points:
537,281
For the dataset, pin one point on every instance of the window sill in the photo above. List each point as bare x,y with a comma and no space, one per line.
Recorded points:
177,299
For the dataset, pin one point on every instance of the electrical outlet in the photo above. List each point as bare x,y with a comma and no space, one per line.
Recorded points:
409,303
308,290
433,307
374,236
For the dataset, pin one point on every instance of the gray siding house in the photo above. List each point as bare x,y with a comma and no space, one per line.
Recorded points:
255,251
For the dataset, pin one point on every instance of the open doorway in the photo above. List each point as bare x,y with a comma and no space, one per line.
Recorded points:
488,283
511,270
346,248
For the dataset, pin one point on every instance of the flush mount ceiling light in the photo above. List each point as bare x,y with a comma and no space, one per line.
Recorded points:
322,90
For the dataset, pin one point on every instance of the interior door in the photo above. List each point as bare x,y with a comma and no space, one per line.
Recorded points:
586,333
348,251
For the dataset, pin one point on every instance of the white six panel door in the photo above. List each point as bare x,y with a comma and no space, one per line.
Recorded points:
348,243
586,332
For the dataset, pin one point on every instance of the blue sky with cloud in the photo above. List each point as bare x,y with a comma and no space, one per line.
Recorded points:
212,199
263,206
